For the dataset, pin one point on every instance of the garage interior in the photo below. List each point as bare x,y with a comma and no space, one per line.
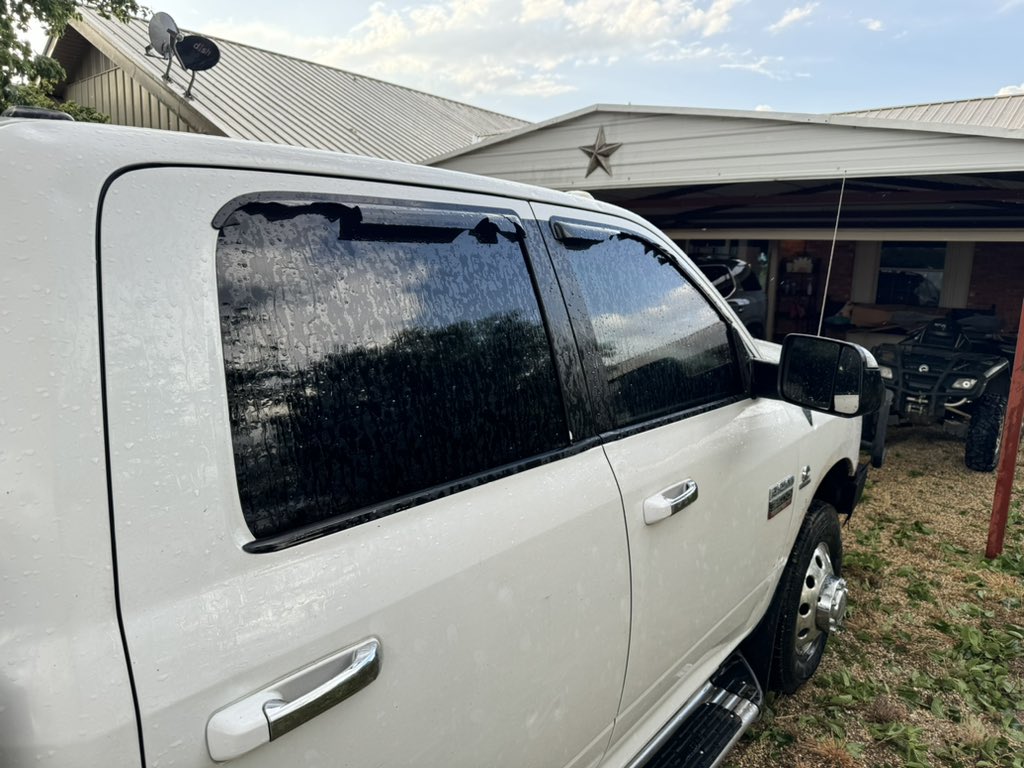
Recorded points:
957,233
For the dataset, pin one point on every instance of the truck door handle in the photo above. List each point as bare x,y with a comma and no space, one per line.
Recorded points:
286,704
669,501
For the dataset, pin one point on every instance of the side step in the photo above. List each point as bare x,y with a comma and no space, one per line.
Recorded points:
704,730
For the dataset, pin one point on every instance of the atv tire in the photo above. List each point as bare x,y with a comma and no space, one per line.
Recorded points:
985,433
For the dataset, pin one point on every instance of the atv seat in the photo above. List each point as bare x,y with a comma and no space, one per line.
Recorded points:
940,333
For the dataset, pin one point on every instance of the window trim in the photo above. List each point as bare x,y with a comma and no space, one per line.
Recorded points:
371,512
567,373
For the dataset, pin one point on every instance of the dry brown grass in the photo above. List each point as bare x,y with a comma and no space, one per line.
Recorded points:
929,671
827,753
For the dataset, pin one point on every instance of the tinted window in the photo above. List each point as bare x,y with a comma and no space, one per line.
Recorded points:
749,281
911,273
370,360
662,345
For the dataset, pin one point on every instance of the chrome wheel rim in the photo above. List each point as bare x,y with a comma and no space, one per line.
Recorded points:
822,607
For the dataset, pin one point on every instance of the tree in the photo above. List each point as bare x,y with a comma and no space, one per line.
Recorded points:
26,78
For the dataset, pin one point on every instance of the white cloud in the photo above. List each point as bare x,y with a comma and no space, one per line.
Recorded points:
465,48
874,25
261,35
716,19
538,10
1011,90
670,50
764,108
792,16
768,66
652,328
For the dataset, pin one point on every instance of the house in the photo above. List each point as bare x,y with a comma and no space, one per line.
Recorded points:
259,95
905,211
925,204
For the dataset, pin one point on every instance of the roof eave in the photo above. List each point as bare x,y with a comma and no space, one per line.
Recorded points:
508,135
783,117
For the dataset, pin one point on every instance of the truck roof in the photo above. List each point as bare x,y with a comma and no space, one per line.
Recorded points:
104,150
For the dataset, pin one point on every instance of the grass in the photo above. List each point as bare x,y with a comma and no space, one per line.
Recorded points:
930,670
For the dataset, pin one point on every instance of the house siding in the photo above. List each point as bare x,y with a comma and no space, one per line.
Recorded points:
99,84
997,281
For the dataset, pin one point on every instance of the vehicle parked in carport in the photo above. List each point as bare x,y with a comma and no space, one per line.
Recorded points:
736,281
317,460
955,371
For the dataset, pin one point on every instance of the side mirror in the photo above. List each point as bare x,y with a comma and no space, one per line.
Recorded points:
831,376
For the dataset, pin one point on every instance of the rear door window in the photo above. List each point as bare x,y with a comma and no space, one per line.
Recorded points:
376,353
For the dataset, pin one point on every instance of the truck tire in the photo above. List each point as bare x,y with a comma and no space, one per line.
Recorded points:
810,579
985,432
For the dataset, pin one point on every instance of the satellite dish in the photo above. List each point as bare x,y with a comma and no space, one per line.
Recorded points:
197,53
193,52
163,34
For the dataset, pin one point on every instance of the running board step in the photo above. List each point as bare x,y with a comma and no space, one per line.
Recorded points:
712,721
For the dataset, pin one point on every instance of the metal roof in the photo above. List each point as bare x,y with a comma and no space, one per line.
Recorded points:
692,172
264,96
993,112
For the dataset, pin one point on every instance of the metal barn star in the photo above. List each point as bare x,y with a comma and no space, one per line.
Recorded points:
599,152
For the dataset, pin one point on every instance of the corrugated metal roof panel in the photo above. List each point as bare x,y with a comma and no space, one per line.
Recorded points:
264,96
992,112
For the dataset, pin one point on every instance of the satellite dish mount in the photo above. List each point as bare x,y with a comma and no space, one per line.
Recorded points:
163,36
193,53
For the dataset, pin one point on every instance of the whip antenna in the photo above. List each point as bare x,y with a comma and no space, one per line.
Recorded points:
831,255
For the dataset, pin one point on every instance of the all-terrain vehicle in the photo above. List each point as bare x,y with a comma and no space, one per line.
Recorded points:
955,371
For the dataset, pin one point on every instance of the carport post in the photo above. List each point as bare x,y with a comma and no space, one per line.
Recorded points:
1008,452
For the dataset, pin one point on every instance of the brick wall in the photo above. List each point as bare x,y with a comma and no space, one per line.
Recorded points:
800,312
818,250
997,278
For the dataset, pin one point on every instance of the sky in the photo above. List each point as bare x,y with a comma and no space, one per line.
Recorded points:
537,59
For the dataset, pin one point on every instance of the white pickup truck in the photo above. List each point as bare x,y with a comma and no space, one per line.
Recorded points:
308,459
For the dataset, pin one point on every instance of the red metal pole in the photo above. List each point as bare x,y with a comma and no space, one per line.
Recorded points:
1008,451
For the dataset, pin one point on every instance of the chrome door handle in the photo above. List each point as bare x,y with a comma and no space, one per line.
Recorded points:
669,501
286,704
361,667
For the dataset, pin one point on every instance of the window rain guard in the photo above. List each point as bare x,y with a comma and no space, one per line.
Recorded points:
377,221
578,236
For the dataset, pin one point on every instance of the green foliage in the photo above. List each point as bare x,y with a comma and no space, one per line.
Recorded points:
920,591
861,561
27,79
36,96
1011,563
906,739
930,673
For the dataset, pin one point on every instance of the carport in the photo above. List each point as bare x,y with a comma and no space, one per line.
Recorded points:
936,203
